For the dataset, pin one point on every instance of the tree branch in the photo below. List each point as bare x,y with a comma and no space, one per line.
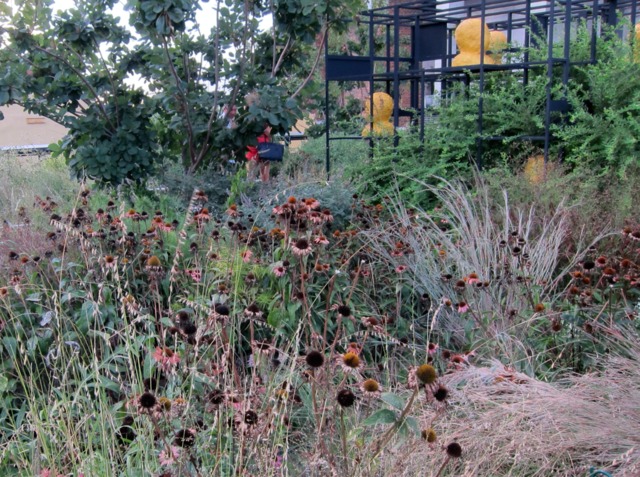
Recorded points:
185,102
101,107
315,64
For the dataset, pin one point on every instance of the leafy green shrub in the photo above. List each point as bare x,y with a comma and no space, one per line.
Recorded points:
403,169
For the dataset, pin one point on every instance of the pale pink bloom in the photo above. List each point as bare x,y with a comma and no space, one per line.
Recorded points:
279,271
321,240
463,307
195,273
301,247
165,227
168,458
326,215
432,348
312,203
278,210
315,217
401,268
246,256
232,211
45,473
166,358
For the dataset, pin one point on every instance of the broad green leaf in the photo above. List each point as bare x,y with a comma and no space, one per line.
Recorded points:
394,400
382,416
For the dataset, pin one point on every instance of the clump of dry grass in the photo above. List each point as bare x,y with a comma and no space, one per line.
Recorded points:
511,424
498,260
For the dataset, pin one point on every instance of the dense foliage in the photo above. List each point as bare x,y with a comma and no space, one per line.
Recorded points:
597,135
131,95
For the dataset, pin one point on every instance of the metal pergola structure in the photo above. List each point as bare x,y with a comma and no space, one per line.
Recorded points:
429,25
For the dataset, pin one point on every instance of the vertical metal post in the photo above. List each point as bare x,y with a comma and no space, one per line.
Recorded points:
373,72
326,109
547,115
567,46
415,63
481,86
594,31
396,66
612,16
527,43
422,106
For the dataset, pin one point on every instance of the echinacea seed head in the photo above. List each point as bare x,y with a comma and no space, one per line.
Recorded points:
371,386
429,435
351,360
344,310
147,400
454,450
314,359
184,438
441,394
426,374
345,398
153,261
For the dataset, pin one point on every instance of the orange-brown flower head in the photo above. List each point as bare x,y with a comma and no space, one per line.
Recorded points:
426,374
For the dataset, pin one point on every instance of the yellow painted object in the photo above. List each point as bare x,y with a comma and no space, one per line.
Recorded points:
382,111
497,44
536,171
468,38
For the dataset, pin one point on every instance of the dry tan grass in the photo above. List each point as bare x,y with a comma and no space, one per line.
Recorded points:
509,424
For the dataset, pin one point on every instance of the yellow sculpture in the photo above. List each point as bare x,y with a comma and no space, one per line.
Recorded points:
497,44
468,37
536,171
382,111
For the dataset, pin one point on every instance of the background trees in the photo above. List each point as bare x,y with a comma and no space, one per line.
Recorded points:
160,87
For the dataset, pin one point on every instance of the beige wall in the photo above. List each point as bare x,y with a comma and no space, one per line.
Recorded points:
19,128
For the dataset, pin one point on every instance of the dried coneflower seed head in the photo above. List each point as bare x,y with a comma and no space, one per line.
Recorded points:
147,400
250,417
190,328
539,308
454,450
429,435
441,394
351,360
345,398
344,310
182,316
153,261
314,359
588,265
371,386
426,374
222,309
184,438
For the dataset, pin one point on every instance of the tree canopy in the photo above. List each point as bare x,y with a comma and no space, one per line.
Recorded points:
159,87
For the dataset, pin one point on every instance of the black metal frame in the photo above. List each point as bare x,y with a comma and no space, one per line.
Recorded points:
429,20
